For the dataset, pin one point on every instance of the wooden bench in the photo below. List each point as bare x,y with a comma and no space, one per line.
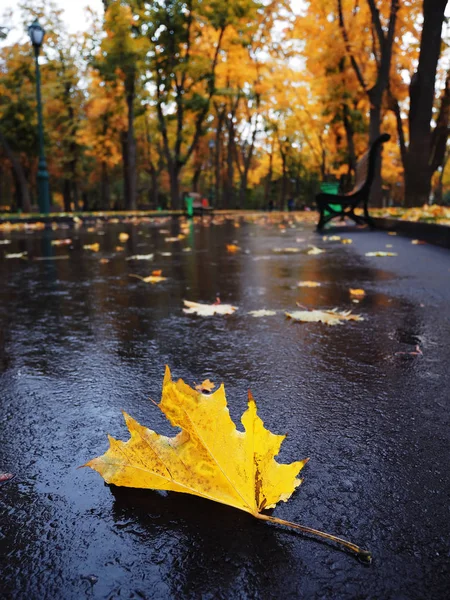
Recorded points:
343,205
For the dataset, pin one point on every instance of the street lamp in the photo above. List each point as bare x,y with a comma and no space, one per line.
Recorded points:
211,145
37,37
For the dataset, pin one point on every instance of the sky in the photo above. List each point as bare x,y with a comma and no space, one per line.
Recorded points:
73,14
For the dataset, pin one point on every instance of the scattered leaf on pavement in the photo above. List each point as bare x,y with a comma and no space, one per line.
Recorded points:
347,241
140,257
232,248
309,284
104,261
417,242
315,250
207,310
149,278
329,317
123,237
381,253
358,292
93,247
262,312
6,477
416,352
64,242
209,458
291,250
16,255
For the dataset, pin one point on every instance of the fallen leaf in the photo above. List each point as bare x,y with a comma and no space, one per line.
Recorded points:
262,312
291,250
329,317
417,242
64,242
140,257
104,261
381,253
232,248
315,250
309,284
157,272
207,310
6,477
205,386
120,248
166,253
149,278
347,241
123,237
16,255
4,242
93,247
209,458
392,233
357,292
334,238
389,246
187,249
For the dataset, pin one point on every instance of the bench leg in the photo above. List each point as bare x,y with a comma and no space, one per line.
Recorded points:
321,223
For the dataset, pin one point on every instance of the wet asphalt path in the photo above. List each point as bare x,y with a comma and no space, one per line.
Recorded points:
80,340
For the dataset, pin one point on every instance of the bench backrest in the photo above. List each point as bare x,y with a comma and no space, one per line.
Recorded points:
365,167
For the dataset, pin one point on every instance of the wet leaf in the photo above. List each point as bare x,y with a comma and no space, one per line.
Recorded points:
4,242
208,310
416,352
209,458
140,257
417,242
64,242
262,312
120,248
104,261
315,250
6,477
205,386
329,317
92,247
232,248
16,255
150,278
291,250
381,253
347,241
123,237
309,284
358,292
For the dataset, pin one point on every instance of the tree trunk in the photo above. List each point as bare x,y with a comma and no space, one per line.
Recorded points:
268,185
22,191
418,170
376,192
105,192
129,148
67,195
229,187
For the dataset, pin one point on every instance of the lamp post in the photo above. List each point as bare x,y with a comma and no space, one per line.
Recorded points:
211,145
37,37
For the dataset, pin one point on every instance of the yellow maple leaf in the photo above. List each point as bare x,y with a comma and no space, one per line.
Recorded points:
310,284
149,278
381,253
207,310
357,292
315,250
208,458
123,237
329,317
93,247
232,248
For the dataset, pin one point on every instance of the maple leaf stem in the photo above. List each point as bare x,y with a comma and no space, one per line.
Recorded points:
364,555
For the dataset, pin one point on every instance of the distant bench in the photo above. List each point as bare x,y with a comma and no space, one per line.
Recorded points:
343,205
